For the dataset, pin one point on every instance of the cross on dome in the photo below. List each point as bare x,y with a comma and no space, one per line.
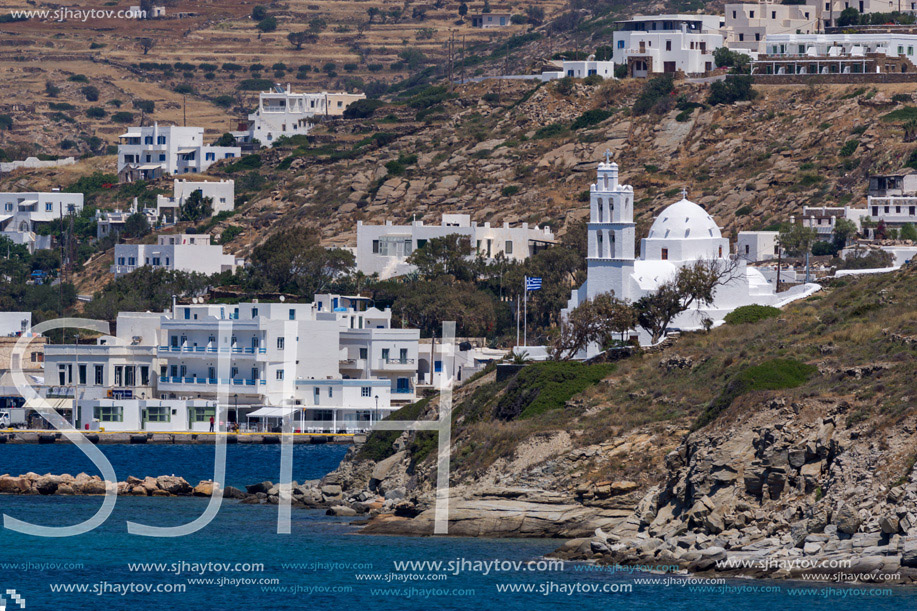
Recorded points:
607,156
684,193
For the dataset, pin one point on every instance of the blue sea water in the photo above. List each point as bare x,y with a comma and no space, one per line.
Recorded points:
323,563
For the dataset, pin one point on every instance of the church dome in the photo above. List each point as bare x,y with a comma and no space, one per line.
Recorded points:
684,220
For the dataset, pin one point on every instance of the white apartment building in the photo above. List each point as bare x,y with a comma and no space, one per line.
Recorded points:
823,218
893,198
221,192
167,149
468,357
668,44
757,245
186,252
838,54
284,113
146,415
22,213
749,25
384,249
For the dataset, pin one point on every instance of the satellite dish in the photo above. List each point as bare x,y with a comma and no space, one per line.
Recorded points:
282,299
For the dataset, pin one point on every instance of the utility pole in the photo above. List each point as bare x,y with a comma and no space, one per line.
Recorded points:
184,110
463,59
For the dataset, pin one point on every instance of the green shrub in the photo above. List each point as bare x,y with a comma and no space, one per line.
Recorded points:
255,84
735,88
509,190
776,374
590,118
78,78
653,91
849,148
95,112
362,109
542,387
123,116
247,162
750,314
550,131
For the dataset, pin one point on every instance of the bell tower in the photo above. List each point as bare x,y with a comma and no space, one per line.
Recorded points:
611,233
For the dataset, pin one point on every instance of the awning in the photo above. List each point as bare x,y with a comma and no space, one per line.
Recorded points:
185,151
57,404
149,166
130,135
273,412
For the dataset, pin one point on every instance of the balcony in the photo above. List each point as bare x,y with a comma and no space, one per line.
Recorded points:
212,350
398,364
211,381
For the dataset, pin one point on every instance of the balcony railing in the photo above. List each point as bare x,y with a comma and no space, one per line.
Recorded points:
399,361
211,381
403,390
213,349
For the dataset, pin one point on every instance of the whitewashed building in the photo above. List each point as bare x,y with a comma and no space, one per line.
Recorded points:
815,54
491,20
757,245
823,218
580,69
186,252
384,249
682,234
284,113
749,24
22,213
468,356
145,152
221,192
668,44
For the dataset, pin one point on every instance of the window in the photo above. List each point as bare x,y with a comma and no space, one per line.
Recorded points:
366,391
668,45
201,414
129,376
620,44
254,312
508,249
665,254
385,354
81,372
437,366
99,369
157,413
49,207
210,157
363,353
375,247
292,314
119,375
109,413
330,391
161,140
211,373
148,140
280,374
162,157
280,343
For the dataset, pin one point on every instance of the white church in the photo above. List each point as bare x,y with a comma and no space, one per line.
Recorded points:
682,234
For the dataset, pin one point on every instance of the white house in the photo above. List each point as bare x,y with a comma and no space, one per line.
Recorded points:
491,20
167,149
682,234
284,113
757,245
749,24
668,44
186,252
384,249
823,218
145,415
580,69
22,213
468,357
221,192
893,198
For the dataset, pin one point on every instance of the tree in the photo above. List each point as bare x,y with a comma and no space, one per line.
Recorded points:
293,260
735,88
196,207
844,230
298,39
797,241
146,44
849,16
268,24
317,25
486,8
535,15
136,225
372,12
445,256
226,139
596,321
692,284
908,232
463,10
881,230
259,12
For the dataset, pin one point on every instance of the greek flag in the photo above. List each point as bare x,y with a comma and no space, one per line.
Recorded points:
532,284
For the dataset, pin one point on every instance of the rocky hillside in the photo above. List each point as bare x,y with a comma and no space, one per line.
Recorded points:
792,435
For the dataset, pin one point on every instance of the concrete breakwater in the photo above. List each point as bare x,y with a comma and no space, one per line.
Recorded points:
97,437
83,484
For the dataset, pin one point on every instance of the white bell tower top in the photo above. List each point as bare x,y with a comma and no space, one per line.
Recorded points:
611,215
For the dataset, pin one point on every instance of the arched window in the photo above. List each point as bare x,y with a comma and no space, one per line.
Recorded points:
600,247
600,213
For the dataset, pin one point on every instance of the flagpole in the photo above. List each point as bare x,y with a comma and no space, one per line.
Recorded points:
518,307
525,316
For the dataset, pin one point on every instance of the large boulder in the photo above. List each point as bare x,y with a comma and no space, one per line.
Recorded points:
260,487
342,511
204,488
47,484
909,552
847,519
173,485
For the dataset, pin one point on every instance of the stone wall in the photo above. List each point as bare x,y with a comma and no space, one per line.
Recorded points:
833,79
